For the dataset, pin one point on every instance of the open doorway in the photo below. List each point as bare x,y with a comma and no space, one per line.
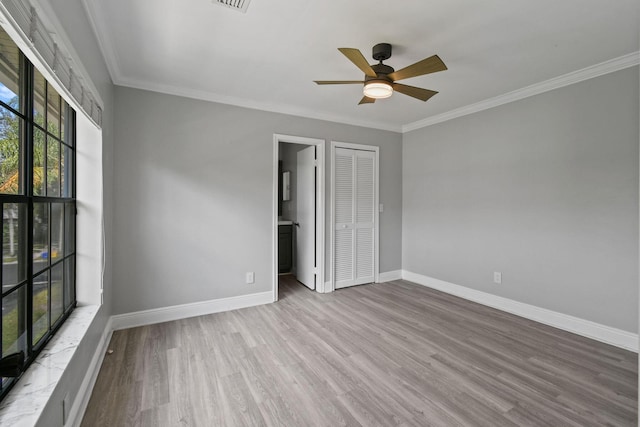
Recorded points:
298,219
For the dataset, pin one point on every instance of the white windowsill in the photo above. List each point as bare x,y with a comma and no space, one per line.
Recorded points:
25,402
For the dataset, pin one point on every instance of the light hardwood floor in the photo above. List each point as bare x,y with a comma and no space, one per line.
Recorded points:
392,354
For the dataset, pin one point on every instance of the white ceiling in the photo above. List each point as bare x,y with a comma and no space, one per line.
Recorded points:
269,57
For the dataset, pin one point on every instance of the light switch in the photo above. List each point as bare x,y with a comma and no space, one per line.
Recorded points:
381,209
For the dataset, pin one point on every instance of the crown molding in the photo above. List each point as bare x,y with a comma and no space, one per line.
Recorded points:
587,73
613,65
254,105
110,55
100,30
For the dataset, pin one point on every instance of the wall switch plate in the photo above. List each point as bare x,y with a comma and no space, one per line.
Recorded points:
497,277
381,208
251,277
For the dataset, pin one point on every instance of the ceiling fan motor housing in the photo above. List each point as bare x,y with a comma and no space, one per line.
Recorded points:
382,71
382,51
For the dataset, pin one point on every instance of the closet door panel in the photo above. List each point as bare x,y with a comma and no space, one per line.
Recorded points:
364,256
344,258
355,216
365,216
344,240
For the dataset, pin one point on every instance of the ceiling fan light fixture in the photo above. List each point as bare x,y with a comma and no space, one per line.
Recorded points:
377,89
380,80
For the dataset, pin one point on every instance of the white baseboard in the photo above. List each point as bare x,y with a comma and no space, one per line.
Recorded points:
388,276
183,311
84,392
576,325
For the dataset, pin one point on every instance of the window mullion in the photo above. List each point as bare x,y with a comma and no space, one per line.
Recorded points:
28,190
50,271
45,156
1,277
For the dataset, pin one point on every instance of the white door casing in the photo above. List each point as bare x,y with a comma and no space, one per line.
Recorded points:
320,209
355,216
305,225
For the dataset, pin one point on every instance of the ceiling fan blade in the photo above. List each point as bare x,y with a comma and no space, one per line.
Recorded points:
337,82
429,65
359,60
366,100
415,92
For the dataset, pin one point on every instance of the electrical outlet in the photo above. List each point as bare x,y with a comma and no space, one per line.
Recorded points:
497,277
251,277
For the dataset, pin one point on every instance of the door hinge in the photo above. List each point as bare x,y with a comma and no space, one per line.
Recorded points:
315,163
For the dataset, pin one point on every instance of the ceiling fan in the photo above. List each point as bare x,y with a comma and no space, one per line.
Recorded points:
380,79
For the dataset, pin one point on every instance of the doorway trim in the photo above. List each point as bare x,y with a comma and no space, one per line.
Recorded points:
320,207
330,286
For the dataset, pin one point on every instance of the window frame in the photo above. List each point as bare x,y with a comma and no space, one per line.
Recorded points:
66,262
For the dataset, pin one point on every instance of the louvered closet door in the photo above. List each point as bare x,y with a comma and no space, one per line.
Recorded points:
354,239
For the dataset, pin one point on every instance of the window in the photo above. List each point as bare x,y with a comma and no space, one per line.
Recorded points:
37,202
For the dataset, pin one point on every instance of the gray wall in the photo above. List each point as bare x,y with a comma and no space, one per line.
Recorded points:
544,190
194,196
71,15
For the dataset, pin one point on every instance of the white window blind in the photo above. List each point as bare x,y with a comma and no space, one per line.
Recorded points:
24,19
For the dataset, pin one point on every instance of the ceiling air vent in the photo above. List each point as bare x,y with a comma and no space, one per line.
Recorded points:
240,5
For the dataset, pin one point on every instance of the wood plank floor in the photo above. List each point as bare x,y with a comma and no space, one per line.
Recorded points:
392,354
